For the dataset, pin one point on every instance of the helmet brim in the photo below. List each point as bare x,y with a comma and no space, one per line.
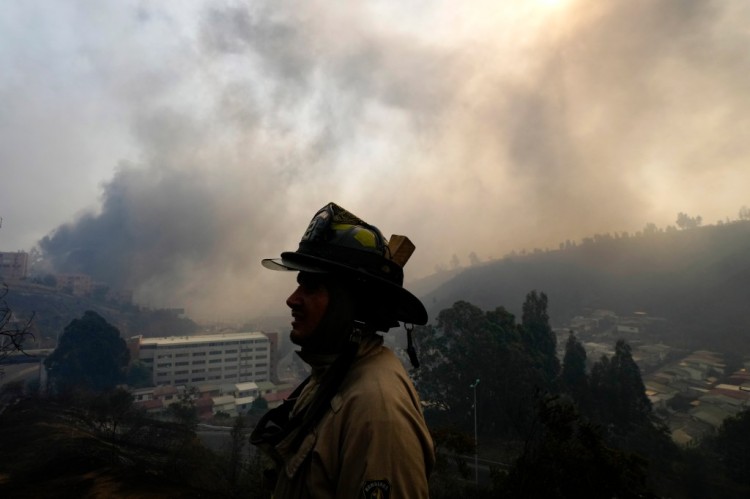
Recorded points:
407,307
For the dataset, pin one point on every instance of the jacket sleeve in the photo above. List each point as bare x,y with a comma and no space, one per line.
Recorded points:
386,448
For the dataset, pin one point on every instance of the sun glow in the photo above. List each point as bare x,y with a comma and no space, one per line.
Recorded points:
553,4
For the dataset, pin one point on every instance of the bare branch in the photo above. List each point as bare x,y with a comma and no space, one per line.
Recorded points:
12,334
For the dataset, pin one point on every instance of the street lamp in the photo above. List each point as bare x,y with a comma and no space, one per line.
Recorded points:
476,438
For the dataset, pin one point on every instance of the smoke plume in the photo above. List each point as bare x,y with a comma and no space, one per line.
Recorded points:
471,129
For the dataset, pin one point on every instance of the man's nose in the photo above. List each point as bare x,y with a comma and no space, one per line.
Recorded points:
294,298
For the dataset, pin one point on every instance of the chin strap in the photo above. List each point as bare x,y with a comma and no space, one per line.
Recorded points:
410,346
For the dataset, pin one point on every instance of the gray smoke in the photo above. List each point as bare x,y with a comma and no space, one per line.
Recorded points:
601,118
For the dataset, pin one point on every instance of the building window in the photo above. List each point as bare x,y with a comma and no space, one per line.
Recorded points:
231,359
180,372
198,362
214,361
164,364
199,354
231,351
181,381
184,354
214,352
214,369
198,379
183,363
198,371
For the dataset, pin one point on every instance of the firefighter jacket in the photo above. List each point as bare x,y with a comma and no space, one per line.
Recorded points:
372,443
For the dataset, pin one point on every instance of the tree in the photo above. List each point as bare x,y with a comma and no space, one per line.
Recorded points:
469,344
650,229
632,404
12,333
539,337
474,259
684,221
448,347
455,262
620,404
451,472
91,356
744,213
184,410
619,392
573,378
259,405
109,411
566,456
139,375
732,443
236,451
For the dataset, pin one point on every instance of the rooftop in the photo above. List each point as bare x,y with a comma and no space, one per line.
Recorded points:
202,338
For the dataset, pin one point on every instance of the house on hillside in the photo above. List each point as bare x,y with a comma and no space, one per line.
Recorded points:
224,403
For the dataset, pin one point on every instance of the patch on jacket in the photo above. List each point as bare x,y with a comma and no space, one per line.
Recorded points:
376,489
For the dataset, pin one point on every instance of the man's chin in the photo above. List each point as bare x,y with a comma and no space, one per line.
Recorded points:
296,337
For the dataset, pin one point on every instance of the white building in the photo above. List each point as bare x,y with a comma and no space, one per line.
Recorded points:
214,358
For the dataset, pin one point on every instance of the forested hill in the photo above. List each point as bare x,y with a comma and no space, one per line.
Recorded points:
698,279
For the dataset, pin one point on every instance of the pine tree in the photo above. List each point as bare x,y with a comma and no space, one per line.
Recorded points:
620,404
539,337
631,406
573,379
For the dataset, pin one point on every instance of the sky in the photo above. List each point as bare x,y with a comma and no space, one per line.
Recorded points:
166,147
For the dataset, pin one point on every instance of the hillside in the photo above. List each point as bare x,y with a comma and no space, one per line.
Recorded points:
53,310
697,279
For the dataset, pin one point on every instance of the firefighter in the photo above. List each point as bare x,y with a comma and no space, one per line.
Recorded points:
355,427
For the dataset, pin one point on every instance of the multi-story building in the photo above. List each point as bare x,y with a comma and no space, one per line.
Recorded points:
203,359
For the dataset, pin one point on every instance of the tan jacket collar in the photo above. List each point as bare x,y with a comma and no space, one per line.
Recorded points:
320,362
